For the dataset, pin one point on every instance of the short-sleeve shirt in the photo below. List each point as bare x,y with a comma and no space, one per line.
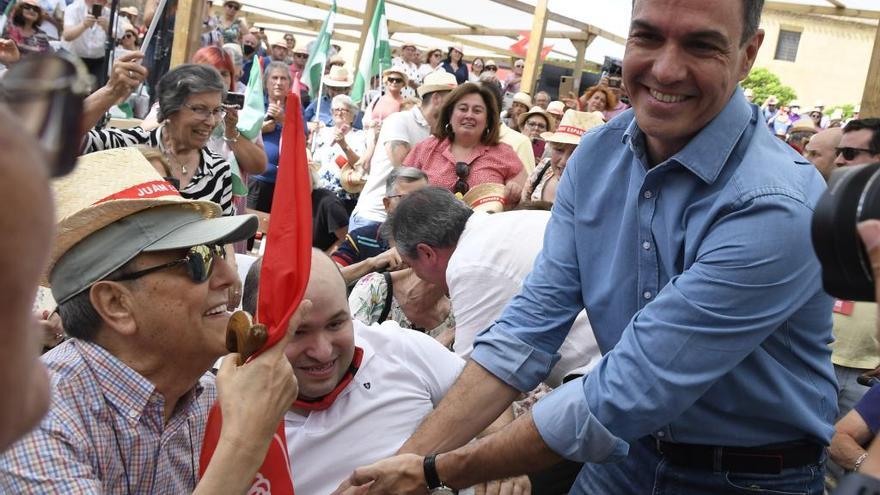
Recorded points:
328,215
868,408
361,244
489,164
402,377
384,107
329,154
90,44
211,182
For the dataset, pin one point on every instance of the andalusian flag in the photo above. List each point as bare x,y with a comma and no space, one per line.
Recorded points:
375,55
318,55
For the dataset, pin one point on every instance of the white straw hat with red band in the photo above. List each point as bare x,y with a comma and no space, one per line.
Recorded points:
572,126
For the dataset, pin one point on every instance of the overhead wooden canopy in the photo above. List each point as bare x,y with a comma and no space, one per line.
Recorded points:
581,34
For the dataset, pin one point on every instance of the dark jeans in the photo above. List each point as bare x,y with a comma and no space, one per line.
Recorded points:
260,195
646,472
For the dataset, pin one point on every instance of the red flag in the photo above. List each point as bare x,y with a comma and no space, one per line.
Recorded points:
283,279
521,47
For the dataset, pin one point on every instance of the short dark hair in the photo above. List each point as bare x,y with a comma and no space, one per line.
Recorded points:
751,18
403,174
431,216
79,318
251,288
490,135
872,124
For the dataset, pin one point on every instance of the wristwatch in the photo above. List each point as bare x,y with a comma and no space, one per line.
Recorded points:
435,486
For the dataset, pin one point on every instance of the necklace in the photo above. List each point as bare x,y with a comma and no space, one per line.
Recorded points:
170,155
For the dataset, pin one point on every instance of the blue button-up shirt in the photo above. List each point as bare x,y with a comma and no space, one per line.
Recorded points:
702,287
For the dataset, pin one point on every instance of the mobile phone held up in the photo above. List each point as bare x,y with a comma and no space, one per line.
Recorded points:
97,10
234,100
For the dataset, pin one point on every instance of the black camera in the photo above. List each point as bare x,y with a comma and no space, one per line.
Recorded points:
235,99
853,195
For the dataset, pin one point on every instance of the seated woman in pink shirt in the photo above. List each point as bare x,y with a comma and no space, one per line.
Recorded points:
464,150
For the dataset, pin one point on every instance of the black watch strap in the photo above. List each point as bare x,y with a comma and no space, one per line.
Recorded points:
431,477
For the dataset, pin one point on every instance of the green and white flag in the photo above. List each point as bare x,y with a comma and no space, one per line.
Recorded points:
376,54
318,55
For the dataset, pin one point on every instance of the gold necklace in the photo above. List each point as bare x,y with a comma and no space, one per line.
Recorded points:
170,155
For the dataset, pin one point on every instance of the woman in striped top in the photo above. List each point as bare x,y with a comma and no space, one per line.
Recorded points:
190,106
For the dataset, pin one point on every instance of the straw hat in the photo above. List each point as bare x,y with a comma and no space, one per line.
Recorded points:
437,81
805,124
536,111
338,77
487,198
300,49
556,108
573,125
352,180
106,186
134,11
459,47
399,71
523,98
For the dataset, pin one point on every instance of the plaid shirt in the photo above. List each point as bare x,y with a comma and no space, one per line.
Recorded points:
95,400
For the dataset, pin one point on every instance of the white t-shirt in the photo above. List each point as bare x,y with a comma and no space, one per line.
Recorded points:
426,69
52,6
90,43
403,376
493,256
410,127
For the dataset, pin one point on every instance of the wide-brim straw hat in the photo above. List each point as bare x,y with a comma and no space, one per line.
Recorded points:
486,198
572,126
536,110
439,80
803,124
338,77
399,71
132,10
351,180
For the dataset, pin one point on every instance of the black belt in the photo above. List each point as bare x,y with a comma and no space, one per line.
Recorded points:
763,460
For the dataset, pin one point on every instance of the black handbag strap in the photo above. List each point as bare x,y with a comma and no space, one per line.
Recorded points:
386,310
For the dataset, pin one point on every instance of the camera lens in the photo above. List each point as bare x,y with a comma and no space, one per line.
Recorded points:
853,195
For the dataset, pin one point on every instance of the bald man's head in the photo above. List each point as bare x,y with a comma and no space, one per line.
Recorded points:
821,150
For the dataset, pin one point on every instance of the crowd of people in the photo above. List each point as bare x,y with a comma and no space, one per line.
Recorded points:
609,293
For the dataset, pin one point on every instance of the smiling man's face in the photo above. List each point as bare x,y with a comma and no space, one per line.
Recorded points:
683,61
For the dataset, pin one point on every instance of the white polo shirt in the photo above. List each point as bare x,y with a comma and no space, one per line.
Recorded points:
493,256
90,44
403,375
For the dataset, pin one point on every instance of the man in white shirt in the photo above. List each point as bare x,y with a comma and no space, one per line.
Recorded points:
85,35
362,390
400,133
409,63
482,260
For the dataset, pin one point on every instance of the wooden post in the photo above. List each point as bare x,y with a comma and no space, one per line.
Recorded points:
536,44
581,47
187,30
871,96
365,30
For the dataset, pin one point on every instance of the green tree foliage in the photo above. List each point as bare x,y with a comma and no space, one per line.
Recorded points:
765,83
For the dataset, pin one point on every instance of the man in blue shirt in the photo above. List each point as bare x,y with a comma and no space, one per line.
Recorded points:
683,226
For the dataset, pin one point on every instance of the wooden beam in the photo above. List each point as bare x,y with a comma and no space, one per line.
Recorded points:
399,27
429,13
815,9
536,44
367,18
836,3
187,35
871,96
579,64
568,21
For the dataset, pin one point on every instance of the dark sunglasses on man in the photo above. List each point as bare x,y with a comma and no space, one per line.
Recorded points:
851,153
46,92
199,262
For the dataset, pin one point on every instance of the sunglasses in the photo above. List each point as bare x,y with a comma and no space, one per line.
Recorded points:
33,8
395,80
47,91
462,170
851,153
128,35
199,262
233,6
300,55
491,67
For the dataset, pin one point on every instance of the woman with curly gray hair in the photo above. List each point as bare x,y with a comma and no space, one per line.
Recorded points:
190,106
